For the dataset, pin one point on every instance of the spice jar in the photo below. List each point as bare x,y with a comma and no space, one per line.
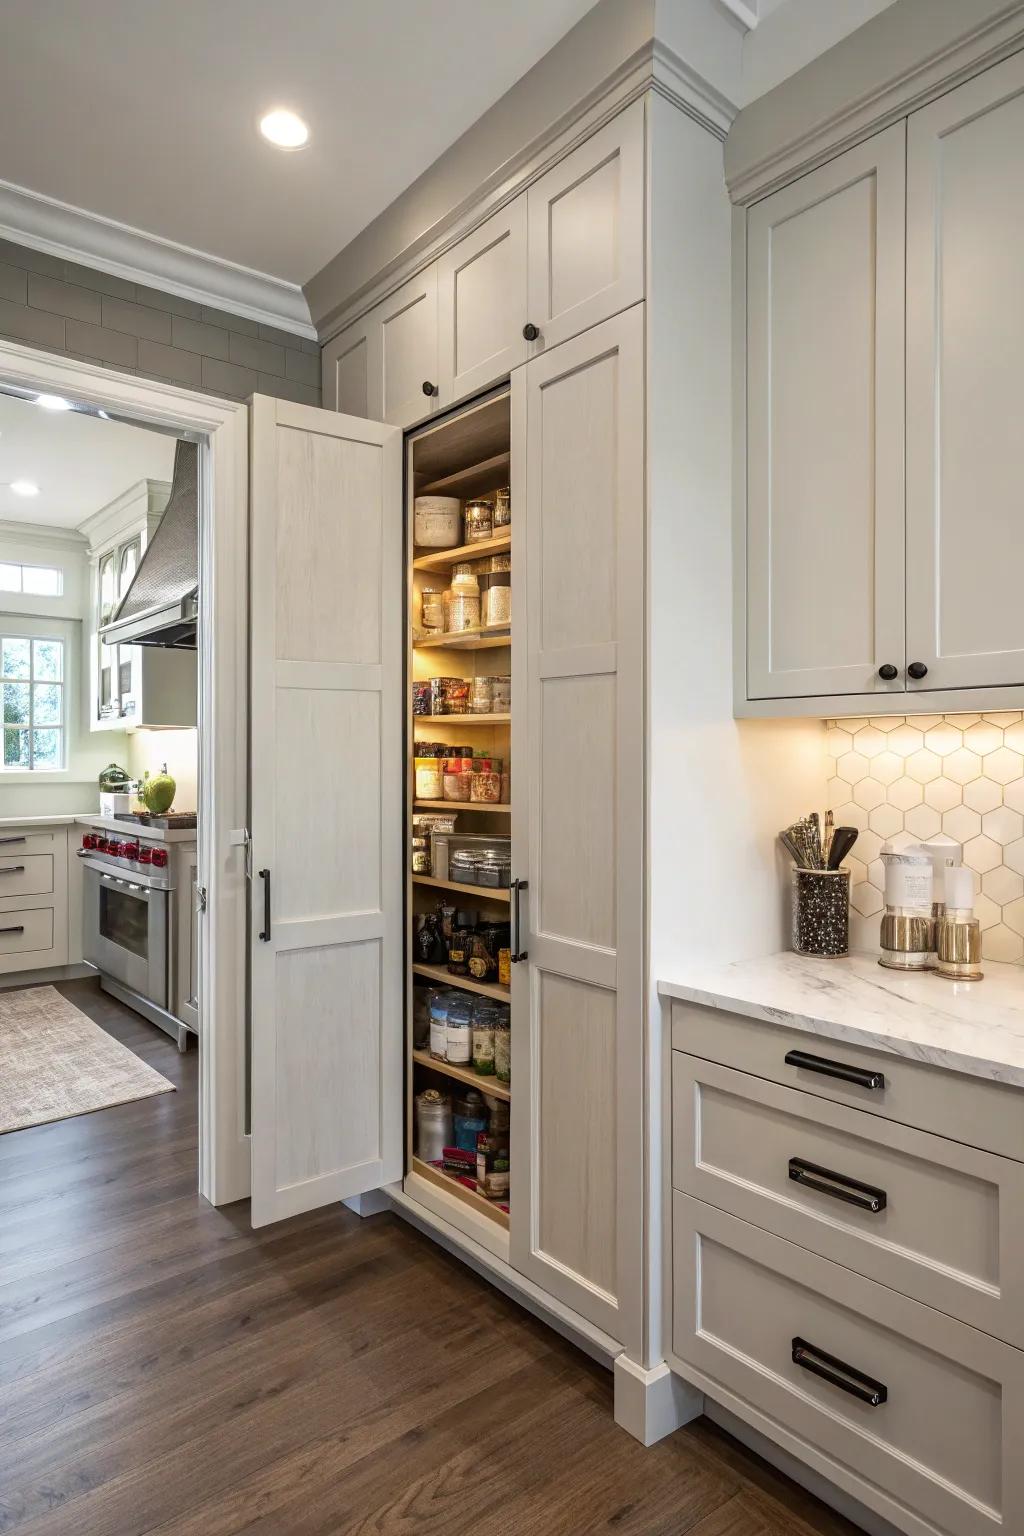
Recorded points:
428,778
485,784
457,777
492,1167
458,944
433,1124
439,1025
421,855
480,696
481,958
502,1044
479,521
469,1119
497,605
502,508
431,610
459,1043
483,1040
463,610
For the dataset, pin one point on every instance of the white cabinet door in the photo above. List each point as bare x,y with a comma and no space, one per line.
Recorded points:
345,372
586,232
825,390
965,383
326,762
578,829
403,352
481,302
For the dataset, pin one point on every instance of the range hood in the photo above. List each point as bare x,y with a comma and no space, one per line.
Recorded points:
161,606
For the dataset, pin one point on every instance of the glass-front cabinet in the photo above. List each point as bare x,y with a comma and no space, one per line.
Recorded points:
117,666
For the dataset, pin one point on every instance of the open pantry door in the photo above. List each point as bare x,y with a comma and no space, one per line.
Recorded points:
326,798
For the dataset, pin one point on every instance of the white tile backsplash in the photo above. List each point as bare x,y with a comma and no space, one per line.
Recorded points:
904,779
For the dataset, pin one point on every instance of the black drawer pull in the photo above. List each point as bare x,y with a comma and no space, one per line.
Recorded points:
839,1185
13,869
839,1374
6,840
18,928
864,1077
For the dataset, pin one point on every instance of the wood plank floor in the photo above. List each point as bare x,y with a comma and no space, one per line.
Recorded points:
165,1369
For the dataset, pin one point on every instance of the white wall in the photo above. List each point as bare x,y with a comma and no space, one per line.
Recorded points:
793,32
178,749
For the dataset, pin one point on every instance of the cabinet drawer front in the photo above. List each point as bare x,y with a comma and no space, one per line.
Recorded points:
24,932
14,843
30,874
944,1440
932,1218
975,1110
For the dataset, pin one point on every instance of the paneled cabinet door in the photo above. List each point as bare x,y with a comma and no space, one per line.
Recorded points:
326,698
586,232
965,383
402,362
345,371
825,390
481,303
578,830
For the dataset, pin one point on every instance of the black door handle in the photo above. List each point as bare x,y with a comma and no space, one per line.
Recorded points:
265,877
824,1182
517,953
865,1388
530,331
428,388
864,1077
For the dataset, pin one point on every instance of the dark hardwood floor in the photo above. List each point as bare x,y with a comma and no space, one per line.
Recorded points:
165,1369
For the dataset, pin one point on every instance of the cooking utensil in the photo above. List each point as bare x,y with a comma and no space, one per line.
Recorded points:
843,839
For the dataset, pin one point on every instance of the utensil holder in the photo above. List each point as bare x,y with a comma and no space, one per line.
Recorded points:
821,911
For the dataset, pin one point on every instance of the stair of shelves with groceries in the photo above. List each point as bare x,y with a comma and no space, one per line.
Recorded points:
460,903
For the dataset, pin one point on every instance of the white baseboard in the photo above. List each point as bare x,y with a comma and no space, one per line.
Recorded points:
47,976
651,1404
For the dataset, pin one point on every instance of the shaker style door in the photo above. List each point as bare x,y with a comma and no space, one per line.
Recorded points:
579,770
345,372
965,384
586,232
385,365
481,304
326,752
825,386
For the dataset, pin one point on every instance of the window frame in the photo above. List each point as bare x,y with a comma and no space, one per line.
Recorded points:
63,725
32,565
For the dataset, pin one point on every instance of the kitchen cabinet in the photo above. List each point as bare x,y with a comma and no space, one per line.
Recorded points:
824,578
965,383
33,897
385,367
482,308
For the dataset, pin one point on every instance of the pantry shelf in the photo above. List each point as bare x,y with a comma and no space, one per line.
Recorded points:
459,805
441,559
488,1085
481,892
439,975
465,639
445,1181
486,475
461,720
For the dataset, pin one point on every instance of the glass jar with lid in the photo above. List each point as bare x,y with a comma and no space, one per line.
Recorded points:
479,520
502,1043
459,1041
483,1039
431,610
463,611
502,508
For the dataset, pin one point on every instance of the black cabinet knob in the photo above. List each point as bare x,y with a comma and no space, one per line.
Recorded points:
888,673
917,670
530,332
428,388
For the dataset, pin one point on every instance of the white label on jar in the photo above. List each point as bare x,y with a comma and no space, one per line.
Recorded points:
908,882
459,1044
439,1039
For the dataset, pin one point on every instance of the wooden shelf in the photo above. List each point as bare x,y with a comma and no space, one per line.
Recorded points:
440,559
461,720
439,975
459,805
485,475
465,640
462,1075
470,1196
481,892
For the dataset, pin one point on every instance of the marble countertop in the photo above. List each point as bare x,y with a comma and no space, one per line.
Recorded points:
973,1027
127,828
38,821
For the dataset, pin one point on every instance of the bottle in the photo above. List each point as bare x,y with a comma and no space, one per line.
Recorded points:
439,1026
483,1040
502,1044
469,1118
459,1028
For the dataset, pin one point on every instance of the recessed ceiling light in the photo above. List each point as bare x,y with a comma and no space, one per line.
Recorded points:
24,488
284,129
53,402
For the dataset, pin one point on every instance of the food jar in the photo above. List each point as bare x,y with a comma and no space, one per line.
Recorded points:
460,1031
463,866
437,522
428,778
485,784
463,608
495,869
492,1167
481,958
504,967
463,928
422,703
483,1040
455,695
502,1044
421,1017
479,518
431,610
457,778
502,508
497,602
480,696
501,694
433,1124
469,1119
421,856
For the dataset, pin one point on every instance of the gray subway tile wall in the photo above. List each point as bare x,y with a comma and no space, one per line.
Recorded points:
64,307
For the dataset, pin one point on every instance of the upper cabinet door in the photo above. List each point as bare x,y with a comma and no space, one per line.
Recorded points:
345,372
326,700
586,232
965,383
577,668
402,362
825,395
481,302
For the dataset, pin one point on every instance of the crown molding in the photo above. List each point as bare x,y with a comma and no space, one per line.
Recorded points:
51,536
73,234
935,70
139,501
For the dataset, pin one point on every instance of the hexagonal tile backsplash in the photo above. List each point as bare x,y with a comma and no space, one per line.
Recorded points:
902,780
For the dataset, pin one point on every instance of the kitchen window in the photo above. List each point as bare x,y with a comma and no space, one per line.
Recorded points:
32,580
34,724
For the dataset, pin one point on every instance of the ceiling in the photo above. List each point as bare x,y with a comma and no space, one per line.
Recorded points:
146,113
79,462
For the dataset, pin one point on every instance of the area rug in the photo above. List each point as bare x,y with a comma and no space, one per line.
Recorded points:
55,1062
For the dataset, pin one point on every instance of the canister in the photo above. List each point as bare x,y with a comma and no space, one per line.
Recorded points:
433,1124
437,521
